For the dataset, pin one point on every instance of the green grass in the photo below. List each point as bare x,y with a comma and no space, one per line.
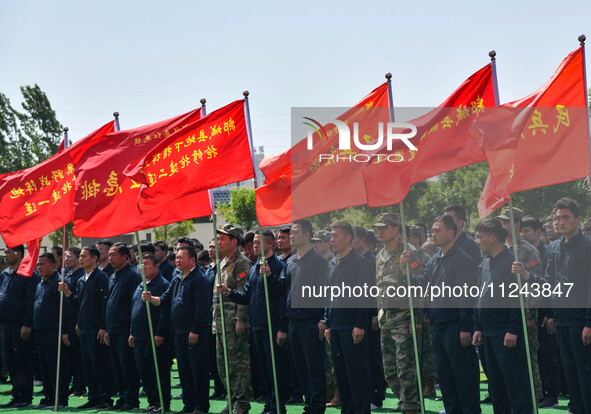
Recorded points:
216,406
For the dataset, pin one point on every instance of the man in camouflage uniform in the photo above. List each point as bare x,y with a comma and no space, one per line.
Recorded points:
416,237
234,269
531,259
397,344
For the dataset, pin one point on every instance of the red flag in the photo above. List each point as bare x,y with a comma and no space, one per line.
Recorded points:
105,202
29,262
320,184
442,141
524,138
208,153
40,199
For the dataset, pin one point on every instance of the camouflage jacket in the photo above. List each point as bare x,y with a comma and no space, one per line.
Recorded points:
234,273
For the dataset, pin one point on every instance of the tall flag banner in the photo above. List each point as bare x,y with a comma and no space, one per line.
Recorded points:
209,153
40,199
539,140
442,143
105,202
318,182
27,266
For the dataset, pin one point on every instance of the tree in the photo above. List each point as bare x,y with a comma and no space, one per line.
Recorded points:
241,210
171,232
56,237
29,137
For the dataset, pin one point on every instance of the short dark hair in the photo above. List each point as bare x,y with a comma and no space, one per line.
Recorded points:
306,227
360,233
268,235
151,257
185,240
105,242
197,244
122,249
285,229
75,250
147,247
170,256
493,227
247,238
19,248
459,212
161,244
532,222
568,203
48,256
203,256
191,250
345,227
58,250
94,252
448,222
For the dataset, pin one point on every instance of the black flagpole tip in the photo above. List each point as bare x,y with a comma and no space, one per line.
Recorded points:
388,76
246,93
116,114
203,100
492,54
66,129
582,39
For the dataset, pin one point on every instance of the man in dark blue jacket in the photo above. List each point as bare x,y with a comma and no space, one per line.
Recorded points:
306,325
455,357
189,300
72,276
122,285
17,295
91,299
160,250
45,324
500,329
346,325
254,296
139,338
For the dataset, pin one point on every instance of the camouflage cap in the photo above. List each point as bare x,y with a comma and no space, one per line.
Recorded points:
383,219
416,231
321,235
231,230
505,214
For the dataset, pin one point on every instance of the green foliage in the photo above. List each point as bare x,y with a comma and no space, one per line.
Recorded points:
28,137
56,237
171,232
240,211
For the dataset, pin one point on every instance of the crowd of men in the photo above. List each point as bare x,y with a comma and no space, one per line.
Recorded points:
326,355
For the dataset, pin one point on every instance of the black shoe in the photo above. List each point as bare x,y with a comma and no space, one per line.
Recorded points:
260,398
486,400
21,404
548,402
128,407
77,394
41,406
104,406
294,400
218,396
8,404
149,409
87,405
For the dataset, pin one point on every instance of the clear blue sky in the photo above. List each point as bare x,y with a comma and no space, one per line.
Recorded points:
151,60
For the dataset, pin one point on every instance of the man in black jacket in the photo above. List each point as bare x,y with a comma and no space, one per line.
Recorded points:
91,299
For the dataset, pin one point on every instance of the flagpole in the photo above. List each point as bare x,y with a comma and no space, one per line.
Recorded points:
492,54
61,310
410,301
582,39
262,258
219,281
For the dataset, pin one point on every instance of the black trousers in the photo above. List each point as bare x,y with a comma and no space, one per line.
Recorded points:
457,371
47,353
549,362
508,376
75,364
193,365
96,363
576,361
351,368
144,361
309,355
126,375
376,367
19,362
